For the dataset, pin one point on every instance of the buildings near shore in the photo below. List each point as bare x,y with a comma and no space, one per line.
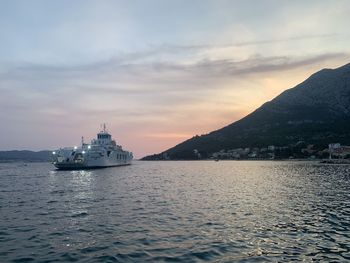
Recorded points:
300,150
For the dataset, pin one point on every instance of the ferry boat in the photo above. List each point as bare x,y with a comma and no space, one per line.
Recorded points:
101,152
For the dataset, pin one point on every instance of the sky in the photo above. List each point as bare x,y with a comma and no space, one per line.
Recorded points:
157,72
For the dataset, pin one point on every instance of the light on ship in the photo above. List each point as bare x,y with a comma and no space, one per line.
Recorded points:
53,152
89,147
75,147
83,152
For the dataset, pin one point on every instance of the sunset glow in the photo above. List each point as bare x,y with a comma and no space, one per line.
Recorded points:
156,72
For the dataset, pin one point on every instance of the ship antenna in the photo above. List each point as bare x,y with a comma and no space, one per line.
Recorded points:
82,141
104,127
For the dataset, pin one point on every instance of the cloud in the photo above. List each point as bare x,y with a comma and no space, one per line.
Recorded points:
126,67
143,100
161,83
168,48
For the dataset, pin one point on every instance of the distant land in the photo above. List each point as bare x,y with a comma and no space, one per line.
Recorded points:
313,114
25,156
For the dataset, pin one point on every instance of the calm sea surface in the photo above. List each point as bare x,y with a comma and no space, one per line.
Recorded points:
225,211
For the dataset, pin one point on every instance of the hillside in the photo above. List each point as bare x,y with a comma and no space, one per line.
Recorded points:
29,156
316,111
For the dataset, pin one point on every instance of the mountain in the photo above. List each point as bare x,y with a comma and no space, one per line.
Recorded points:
316,111
41,156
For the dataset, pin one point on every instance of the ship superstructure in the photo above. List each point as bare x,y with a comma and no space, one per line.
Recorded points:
101,152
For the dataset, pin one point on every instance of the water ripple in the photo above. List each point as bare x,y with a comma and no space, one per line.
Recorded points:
176,212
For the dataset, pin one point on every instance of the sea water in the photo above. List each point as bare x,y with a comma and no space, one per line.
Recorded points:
188,211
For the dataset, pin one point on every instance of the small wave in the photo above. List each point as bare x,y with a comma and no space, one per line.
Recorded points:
135,255
57,192
70,257
32,237
82,214
24,259
205,255
106,258
83,230
56,234
3,233
24,229
92,249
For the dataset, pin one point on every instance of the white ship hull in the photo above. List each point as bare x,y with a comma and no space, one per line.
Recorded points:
77,166
90,163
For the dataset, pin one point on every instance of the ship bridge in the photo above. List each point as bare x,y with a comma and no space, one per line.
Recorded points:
104,138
